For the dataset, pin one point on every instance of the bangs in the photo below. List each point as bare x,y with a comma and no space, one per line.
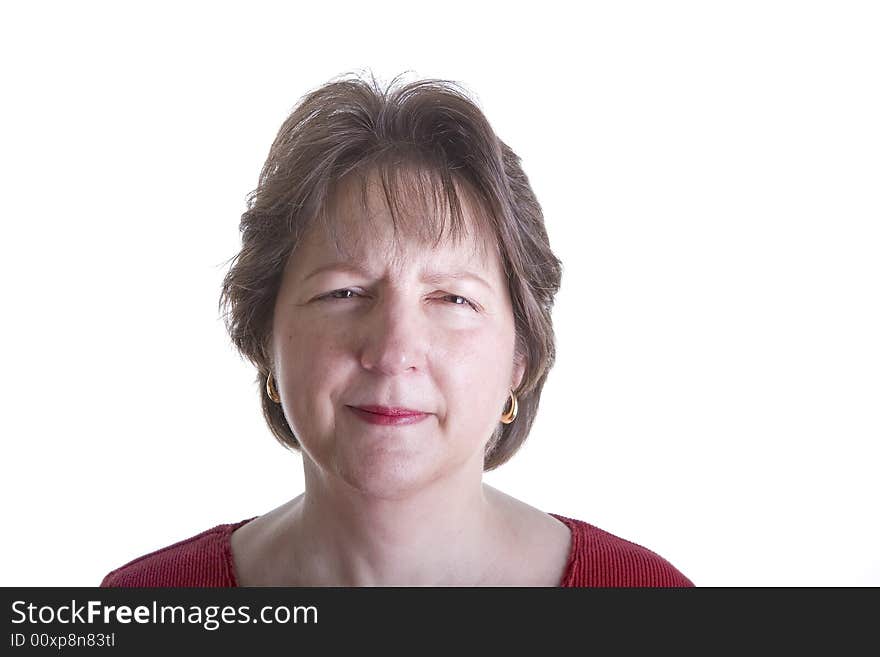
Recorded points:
426,204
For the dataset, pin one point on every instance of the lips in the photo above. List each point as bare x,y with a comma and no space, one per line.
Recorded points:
388,415
392,411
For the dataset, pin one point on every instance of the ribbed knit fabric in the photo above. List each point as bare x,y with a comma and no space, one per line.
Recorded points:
597,558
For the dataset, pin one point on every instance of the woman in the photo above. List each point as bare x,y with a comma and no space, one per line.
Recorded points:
394,291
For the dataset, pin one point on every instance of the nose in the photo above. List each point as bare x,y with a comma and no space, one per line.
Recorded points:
394,336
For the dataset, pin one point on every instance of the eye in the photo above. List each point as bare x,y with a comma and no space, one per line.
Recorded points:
345,293
459,300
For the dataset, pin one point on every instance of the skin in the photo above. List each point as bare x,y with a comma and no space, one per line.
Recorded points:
396,505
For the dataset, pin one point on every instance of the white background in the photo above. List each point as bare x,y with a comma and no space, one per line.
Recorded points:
710,177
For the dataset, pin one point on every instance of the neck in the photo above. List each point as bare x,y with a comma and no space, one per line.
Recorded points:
441,535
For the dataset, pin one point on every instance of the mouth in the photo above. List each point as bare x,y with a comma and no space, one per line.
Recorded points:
387,415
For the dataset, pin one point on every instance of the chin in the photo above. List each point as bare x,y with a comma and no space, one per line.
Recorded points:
389,476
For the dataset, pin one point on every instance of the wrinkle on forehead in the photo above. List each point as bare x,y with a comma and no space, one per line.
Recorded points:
422,208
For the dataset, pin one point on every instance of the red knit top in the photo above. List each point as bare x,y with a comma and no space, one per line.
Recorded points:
596,558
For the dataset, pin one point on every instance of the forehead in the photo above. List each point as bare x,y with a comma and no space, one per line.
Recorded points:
399,215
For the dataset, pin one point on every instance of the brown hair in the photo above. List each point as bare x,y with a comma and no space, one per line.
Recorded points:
431,127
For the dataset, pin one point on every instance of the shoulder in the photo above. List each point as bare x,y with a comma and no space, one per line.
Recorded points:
203,560
599,558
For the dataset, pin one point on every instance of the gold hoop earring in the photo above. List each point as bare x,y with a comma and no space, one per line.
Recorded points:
271,391
509,416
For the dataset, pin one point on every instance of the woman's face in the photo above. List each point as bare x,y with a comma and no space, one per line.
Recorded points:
392,325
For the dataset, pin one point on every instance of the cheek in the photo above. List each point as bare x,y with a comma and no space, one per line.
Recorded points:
477,367
305,345
310,362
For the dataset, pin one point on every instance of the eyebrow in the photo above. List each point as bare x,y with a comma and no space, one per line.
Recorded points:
427,276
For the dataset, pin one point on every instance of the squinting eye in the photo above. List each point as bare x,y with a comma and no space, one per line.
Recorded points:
460,300
340,294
